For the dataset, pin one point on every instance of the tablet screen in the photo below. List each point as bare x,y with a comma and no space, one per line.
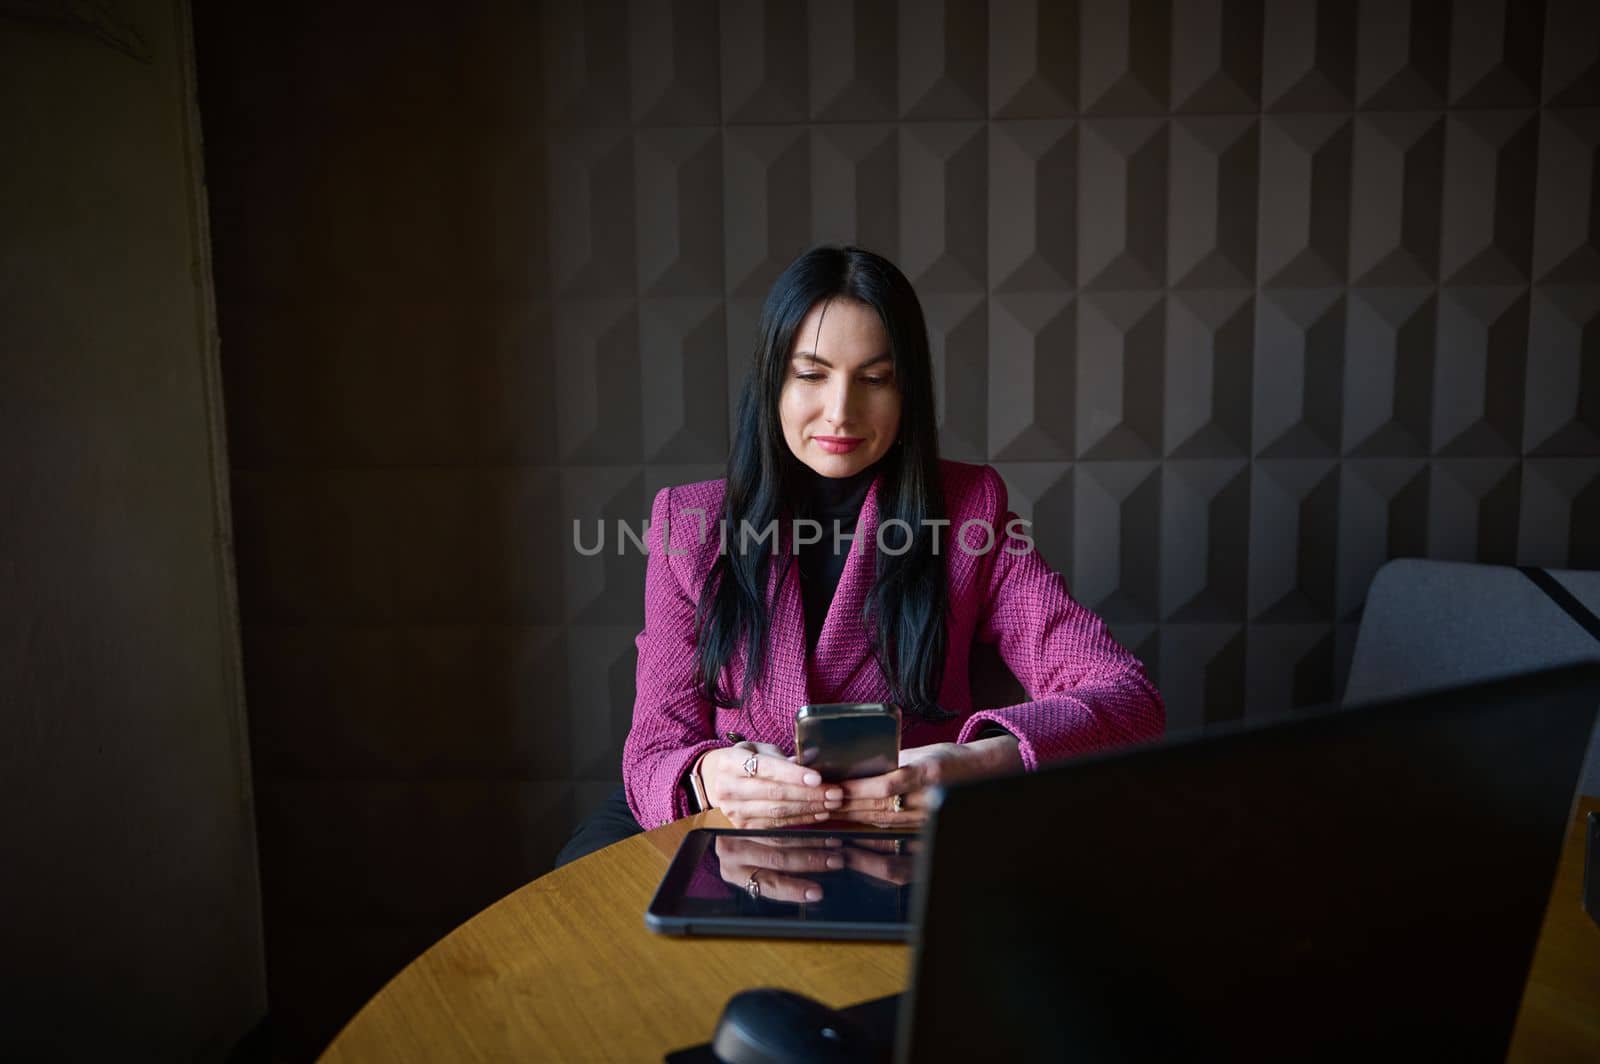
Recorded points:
804,884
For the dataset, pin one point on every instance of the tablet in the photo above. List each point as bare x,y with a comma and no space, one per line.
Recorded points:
788,884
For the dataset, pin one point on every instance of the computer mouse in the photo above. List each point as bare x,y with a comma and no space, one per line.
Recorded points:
769,1026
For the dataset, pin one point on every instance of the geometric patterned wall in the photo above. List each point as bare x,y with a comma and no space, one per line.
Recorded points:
1241,298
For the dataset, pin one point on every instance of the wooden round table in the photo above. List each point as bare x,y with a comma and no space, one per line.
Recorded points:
564,969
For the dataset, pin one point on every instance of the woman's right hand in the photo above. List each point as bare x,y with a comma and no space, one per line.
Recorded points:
779,794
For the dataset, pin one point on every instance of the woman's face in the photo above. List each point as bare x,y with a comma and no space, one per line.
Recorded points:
840,404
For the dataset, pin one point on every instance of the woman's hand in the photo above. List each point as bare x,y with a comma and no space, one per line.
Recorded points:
756,785
872,799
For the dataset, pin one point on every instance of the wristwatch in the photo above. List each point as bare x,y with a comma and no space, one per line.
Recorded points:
697,787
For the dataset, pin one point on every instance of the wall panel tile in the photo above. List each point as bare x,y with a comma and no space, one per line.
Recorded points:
944,177
1496,53
1402,64
1309,55
1042,494
674,62
1122,203
1383,514
1472,506
1288,666
1572,54
742,317
1033,177
597,381
602,516
592,213
683,347
1033,59
1206,534
1563,394
1122,340
1210,369
1391,345
1490,159
1211,241
1216,56
765,61
767,204
680,204
1203,675
1560,513
1397,184
1567,213
1293,540
1116,562
1481,372
854,60
1305,201
1032,377
1299,373
602,662
943,55
585,56
958,335
1125,57
855,179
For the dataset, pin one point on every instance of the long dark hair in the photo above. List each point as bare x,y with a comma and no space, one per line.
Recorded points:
905,610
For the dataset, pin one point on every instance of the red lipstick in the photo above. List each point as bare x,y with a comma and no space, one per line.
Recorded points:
839,444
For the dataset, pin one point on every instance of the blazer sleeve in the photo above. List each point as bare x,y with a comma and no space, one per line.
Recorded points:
672,725
1088,692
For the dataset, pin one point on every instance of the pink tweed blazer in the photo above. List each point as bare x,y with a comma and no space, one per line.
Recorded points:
1088,692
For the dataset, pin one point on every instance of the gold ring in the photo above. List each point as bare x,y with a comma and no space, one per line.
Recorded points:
899,803
753,888
750,765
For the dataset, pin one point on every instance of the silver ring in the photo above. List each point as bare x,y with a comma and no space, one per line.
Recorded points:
750,765
899,803
753,888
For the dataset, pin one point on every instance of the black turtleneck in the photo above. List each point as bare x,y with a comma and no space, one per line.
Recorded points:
834,502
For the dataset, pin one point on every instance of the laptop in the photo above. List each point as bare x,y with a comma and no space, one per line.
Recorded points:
1326,887
1360,882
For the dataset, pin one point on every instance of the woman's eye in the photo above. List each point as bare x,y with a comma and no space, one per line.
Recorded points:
875,380
808,375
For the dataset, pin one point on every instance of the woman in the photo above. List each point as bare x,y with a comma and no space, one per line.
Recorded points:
757,600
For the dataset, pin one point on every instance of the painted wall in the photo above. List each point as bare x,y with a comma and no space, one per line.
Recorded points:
129,903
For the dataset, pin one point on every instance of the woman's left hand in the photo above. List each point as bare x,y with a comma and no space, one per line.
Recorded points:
872,798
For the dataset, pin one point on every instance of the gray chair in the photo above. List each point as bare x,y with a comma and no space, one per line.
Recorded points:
1429,624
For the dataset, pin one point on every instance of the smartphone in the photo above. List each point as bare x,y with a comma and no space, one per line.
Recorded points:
848,740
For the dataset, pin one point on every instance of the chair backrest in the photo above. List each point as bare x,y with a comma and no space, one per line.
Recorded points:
1433,624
